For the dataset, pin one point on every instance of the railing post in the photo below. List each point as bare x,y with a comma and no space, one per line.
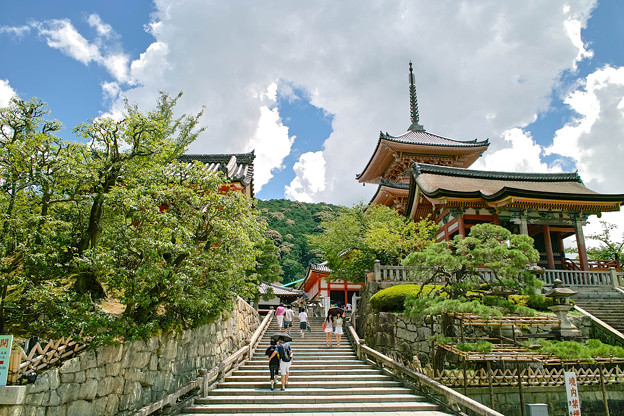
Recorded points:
614,277
377,270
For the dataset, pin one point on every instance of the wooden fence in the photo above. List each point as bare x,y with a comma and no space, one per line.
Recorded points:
38,358
547,376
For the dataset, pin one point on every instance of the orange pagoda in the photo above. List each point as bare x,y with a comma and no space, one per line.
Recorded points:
425,175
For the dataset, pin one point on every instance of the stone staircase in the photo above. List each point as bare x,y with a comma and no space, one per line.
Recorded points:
605,303
323,381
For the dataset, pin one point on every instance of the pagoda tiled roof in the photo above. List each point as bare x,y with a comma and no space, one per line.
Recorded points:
237,166
278,290
423,137
320,267
437,181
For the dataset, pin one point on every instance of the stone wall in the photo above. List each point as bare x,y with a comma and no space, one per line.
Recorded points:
507,399
119,380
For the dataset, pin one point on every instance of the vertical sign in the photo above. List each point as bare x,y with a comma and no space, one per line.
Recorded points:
5,357
574,400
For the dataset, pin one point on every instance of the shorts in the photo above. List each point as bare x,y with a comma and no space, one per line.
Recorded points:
280,320
303,325
338,330
287,324
285,367
274,370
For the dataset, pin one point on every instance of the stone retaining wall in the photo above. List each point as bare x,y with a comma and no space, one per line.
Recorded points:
507,399
119,380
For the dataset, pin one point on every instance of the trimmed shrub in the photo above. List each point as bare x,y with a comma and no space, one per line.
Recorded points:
392,299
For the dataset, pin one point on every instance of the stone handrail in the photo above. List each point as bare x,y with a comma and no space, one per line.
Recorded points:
568,277
255,338
616,337
452,397
209,378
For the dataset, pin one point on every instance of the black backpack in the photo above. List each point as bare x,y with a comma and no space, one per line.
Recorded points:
284,351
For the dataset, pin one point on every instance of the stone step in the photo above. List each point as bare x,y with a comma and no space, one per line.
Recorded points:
308,372
319,407
318,398
355,365
306,384
310,391
296,377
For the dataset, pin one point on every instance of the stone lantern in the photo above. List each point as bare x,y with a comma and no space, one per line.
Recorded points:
562,306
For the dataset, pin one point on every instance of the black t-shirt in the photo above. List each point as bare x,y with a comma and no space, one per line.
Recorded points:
275,360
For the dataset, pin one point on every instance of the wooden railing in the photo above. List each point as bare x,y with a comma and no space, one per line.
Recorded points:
39,358
604,265
568,277
208,379
548,376
425,384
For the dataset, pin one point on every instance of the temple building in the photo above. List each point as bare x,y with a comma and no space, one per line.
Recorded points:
238,168
317,283
425,175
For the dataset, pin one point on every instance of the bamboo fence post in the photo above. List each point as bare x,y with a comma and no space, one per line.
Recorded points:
491,389
465,379
604,390
520,387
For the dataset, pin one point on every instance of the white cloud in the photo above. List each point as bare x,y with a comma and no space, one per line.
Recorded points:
595,139
271,143
6,92
103,29
524,155
62,35
310,179
500,63
18,31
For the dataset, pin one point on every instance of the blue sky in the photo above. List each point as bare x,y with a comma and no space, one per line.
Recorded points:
310,85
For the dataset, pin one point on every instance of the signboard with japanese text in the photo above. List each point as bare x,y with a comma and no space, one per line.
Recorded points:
6,342
574,399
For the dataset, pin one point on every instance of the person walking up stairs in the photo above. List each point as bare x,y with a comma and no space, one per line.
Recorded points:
323,381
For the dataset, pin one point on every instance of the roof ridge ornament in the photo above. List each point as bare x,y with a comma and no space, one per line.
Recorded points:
415,126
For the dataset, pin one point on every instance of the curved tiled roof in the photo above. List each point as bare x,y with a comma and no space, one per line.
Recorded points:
238,166
437,181
425,138
320,267
278,290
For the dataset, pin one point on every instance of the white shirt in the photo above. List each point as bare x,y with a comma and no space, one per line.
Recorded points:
303,317
289,315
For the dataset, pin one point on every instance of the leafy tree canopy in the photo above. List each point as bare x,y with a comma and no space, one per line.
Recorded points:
356,237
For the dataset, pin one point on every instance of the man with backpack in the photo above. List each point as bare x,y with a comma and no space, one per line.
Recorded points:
285,354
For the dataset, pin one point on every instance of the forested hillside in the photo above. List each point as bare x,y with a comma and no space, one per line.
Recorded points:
289,222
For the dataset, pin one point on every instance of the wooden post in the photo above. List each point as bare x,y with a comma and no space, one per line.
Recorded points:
465,379
550,257
614,277
604,390
580,244
15,360
460,224
524,225
433,344
491,389
520,388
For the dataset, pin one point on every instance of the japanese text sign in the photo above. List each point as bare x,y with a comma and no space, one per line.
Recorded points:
6,342
574,399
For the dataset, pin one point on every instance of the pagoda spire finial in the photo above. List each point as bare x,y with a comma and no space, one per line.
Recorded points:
415,126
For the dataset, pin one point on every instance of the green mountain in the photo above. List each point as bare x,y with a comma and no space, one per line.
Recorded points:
289,222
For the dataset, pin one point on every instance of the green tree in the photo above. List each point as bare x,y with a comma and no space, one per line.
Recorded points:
121,152
456,262
356,237
610,248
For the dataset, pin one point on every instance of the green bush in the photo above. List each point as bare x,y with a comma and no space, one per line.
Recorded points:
417,307
392,299
592,348
481,346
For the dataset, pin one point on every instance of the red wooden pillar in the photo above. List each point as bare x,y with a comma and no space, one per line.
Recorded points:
580,244
460,225
549,251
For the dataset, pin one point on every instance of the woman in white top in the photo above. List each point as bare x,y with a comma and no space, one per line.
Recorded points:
328,330
303,321
338,320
